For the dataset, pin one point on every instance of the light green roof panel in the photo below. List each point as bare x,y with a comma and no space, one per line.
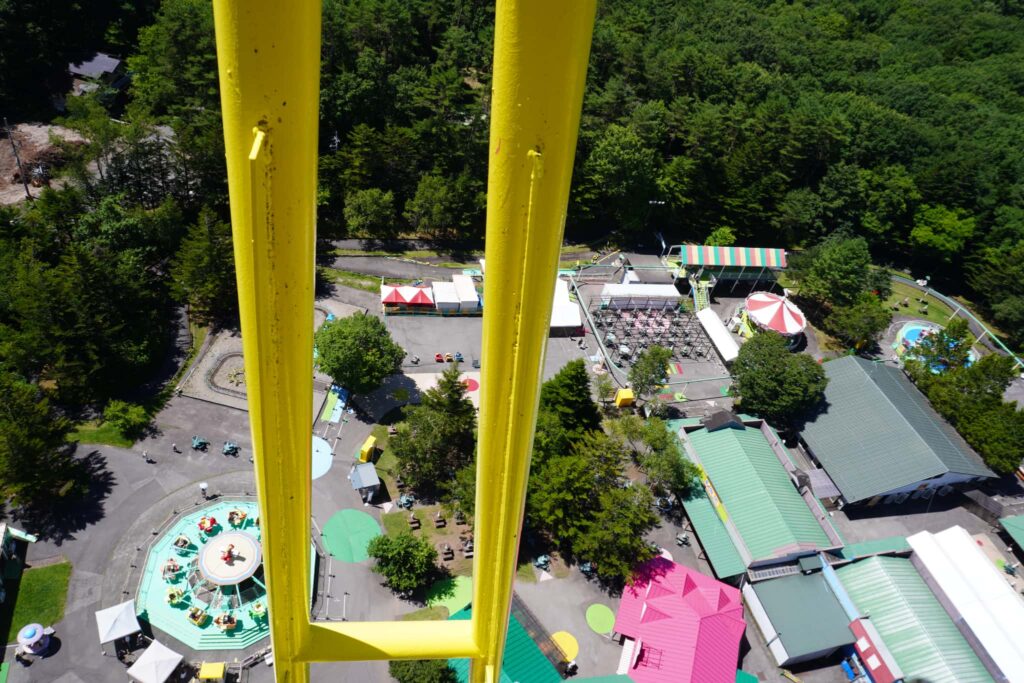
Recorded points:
892,544
915,628
1015,527
757,493
721,552
878,433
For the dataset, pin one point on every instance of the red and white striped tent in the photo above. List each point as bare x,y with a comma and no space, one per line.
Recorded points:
773,312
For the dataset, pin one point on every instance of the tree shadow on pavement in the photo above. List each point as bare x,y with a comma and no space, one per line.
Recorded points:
58,520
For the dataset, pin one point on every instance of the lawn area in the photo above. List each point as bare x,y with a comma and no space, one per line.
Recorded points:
525,573
99,432
936,311
41,595
436,613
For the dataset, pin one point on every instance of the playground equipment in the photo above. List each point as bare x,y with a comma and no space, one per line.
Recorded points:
230,448
199,443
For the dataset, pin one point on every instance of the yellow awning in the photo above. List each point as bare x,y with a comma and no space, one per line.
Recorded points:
211,671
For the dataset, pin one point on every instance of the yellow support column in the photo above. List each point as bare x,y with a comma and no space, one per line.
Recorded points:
541,49
268,56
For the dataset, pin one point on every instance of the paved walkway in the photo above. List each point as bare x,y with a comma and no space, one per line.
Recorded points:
134,497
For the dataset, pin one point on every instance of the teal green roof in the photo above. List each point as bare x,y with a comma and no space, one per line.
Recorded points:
881,545
878,433
1015,527
743,677
917,631
805,613
715,540
757,493
523,659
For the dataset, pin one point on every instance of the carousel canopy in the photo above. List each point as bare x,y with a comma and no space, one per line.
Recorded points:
773,312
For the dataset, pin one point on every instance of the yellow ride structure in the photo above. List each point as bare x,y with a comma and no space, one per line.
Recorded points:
268,56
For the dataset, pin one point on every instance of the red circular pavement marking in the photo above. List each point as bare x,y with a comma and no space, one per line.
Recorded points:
471,384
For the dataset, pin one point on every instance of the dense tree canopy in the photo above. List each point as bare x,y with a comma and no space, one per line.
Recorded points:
422,671
567,396
407,562
774,383
35,461
357,352
970,395
436,441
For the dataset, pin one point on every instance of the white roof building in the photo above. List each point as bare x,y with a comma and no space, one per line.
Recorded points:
719,334
466,291
977,596
445,296
565,313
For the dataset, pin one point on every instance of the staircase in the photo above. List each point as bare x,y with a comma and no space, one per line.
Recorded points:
701,300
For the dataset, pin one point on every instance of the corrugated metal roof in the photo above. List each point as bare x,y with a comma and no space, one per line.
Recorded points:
721,552
757,493
687,625
880,545
1015,527
805,613
916,629
979,594
879,433
523,661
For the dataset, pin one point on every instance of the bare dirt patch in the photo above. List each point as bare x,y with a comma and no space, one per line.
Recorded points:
34,148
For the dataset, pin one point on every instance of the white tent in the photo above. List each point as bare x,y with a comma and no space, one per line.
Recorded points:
727,347
640,296
565,313
445,296
155,665
466,290
117,621
976,592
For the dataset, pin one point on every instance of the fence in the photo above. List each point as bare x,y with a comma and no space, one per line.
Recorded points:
986,336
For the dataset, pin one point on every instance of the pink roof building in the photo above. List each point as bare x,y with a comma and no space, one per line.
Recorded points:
680,626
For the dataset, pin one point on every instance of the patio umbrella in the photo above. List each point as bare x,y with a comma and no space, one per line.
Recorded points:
155,665
117,621
30,635
773,312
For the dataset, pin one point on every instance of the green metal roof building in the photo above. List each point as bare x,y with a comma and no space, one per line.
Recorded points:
923,640
758,514
1014,526
523,659
878,435
800,616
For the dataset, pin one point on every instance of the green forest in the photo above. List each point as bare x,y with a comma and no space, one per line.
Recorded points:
732,121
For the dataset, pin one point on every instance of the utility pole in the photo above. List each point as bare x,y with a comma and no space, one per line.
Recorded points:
17,160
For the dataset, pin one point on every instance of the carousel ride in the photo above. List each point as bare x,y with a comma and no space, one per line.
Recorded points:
768,311
203,580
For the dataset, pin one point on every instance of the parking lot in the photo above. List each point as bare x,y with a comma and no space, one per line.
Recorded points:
423,336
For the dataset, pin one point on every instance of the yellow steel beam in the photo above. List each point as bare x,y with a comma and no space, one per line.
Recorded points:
541,50
366,640
268,55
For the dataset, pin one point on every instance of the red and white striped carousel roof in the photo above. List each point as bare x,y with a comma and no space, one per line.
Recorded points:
773,312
